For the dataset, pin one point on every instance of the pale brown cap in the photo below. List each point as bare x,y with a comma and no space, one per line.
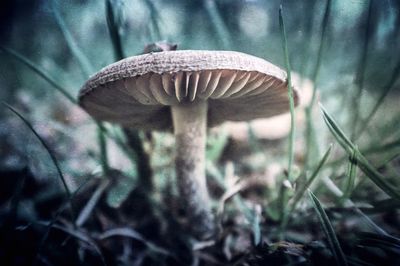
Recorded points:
138,91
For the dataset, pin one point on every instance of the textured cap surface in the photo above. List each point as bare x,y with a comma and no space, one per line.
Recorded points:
138,91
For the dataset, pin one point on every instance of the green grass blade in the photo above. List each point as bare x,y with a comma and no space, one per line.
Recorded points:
381,148
376,177
54,160
310,129
363,163
325,20
382,206
218,23
131,233
329,232
337,132
113,25
83,61
154,19
338,193
56,216
385,92
300,192
303,188
383,241
40,72
81,236
47,148
101,137
290,94
113,29
255,225
144,170
87,69
351,175
90,205
370,222
134,140
308,25
373,149
360,74
43,74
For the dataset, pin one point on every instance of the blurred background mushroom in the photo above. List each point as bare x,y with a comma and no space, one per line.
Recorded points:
276,127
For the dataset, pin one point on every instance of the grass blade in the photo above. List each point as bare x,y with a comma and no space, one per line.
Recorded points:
31,65
382,206
134,140
360,74
332,188
84,63
56,216
47,148
302,189
87,69
91,204
154,17
255,225
308,20
218,23
373,149
299,194
395,144
351,174
385,241
143,166
325,20
385,92
363,163
101,138
113,29
310,130
290,93
129,232
81,236
337,132
59,88
329,232
54,160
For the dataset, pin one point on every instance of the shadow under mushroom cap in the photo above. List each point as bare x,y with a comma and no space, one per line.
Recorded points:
138,91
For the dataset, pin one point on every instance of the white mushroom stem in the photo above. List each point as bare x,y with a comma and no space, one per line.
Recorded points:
190,122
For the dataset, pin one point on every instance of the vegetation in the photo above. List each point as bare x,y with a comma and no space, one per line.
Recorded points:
75,191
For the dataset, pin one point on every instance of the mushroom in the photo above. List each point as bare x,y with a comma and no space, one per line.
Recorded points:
187,90
277,127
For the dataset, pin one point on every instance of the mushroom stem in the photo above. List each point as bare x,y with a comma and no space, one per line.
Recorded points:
190,122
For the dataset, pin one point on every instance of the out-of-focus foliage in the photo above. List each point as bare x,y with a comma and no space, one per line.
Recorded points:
347,51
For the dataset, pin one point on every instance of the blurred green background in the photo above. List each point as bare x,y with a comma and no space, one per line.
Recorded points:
347,51
31,28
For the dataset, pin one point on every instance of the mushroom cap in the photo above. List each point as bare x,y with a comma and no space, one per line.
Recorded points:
139,91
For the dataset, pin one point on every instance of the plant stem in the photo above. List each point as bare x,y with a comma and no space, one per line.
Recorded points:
190,122
290,95
103,148
145,173
311,143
